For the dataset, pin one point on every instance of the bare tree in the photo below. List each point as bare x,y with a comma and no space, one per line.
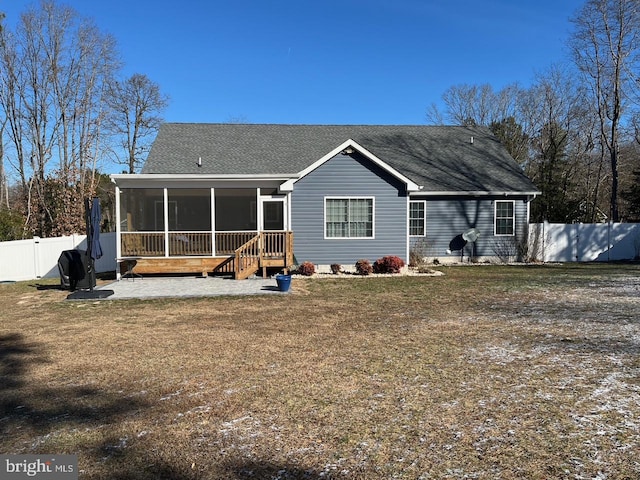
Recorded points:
434,116
4,184
549,129
475,105
53,72
12,89
606,45
559,122
4,187
136,104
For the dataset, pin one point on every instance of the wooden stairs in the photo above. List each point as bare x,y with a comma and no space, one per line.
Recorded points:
265,250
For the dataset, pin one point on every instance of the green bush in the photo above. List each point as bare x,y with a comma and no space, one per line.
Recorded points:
11,224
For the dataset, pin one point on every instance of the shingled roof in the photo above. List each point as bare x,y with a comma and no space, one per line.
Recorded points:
439,158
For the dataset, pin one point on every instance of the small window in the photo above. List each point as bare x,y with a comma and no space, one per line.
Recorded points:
417,218
349,218
505,218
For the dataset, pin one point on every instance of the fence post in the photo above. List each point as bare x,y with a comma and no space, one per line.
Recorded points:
544,241
36,257
609,240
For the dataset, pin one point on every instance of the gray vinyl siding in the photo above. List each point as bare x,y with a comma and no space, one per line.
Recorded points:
348,176
449,217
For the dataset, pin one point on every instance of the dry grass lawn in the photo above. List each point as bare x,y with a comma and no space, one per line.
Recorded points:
486,372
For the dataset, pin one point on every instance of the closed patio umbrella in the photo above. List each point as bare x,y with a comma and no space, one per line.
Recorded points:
93,238
92,216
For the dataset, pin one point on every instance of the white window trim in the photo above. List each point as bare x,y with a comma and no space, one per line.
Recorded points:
495,219
348,197
273,198
424,218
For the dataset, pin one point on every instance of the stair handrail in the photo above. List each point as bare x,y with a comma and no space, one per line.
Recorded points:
239,264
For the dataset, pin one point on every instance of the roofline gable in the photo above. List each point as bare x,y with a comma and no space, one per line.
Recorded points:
411,186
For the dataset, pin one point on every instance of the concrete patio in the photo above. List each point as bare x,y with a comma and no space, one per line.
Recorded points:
167,287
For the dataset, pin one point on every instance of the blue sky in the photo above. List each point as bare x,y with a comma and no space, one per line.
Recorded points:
328,61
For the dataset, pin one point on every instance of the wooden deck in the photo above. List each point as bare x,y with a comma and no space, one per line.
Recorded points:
241,254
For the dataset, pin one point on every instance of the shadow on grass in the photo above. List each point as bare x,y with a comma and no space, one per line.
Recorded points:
41,286
584,345
150,471
42,406
235,470
251,469
34,412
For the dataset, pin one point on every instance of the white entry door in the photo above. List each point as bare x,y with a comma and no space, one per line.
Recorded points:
273,212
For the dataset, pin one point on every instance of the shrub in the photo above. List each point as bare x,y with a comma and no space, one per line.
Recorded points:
506,249
11,224
336,268
363,267
388,264
418,252
307,269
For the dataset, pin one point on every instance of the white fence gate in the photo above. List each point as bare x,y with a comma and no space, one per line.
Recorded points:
38,257
581,242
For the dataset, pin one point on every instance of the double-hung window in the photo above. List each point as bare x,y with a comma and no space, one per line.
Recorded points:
417,218
505,217
348,217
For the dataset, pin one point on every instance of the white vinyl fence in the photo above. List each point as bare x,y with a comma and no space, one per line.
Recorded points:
580,242
548,242
38,257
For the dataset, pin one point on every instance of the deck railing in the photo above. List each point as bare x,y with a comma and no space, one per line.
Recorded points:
185,244
276,244
152,244
228,242
142,244
265,249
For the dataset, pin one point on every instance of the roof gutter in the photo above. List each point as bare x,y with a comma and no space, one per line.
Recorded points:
201,176
188,180
481,193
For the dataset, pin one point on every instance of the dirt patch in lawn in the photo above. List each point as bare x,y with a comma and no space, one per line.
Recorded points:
484,372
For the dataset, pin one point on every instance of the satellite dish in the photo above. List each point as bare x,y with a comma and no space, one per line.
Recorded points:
471,235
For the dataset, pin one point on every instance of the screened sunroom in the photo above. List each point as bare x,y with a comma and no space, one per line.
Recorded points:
173,219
